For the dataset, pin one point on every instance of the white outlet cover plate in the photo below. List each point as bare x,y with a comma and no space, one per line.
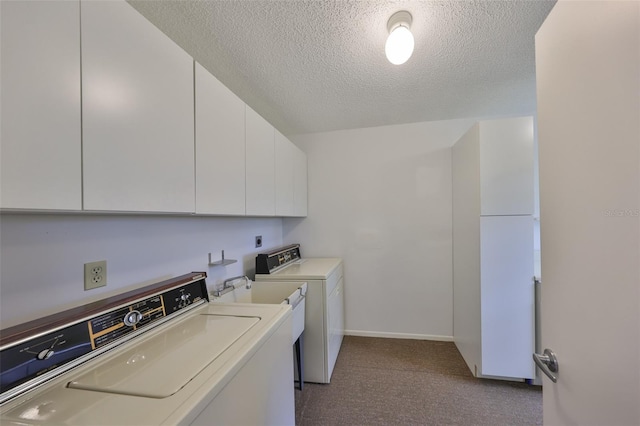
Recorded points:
95,274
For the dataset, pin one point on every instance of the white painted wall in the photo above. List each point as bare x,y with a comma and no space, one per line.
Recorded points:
42,256
380,198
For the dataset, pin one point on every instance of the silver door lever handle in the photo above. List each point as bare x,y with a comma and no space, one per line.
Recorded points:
548,363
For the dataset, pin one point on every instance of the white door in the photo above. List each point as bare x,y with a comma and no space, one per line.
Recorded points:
588,81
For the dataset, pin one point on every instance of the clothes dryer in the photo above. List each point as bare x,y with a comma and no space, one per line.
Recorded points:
324,314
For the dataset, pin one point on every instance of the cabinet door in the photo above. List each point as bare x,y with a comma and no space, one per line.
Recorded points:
299,182
506,166
220,147
138,114
284,175
507,296
40,143
260,164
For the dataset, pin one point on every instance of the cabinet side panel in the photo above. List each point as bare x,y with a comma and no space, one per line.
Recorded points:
335,325
314,342
466,247
40,143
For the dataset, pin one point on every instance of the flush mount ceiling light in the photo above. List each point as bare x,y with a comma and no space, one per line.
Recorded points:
399,45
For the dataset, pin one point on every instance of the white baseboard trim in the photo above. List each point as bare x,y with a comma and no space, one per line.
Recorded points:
398,335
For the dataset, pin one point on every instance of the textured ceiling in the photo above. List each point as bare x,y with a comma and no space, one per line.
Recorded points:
310,66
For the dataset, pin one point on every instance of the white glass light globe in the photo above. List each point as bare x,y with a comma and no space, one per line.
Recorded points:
399,45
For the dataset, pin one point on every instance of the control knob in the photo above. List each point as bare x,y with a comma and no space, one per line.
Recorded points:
184,300
45,354
132,318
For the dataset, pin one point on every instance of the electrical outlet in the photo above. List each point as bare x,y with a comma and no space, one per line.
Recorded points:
258,241
95,274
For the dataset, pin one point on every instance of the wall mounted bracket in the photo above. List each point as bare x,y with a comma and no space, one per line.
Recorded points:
221,262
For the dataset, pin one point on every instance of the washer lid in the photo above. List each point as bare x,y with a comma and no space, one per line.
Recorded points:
161,365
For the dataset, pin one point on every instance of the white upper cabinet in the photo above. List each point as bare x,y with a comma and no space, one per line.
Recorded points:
507,166
103,112
138,114
284,175
220,147
291,178
299,182
40,138
260,163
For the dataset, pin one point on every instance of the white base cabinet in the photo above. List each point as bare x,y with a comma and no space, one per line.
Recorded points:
493,248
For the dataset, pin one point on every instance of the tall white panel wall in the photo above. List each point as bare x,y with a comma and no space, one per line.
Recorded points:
493,247
465,172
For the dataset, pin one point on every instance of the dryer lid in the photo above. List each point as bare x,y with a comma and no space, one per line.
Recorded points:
160,365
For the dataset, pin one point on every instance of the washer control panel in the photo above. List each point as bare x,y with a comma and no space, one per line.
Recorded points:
43,353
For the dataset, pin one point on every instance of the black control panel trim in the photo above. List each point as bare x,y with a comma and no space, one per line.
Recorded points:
32,360
267,263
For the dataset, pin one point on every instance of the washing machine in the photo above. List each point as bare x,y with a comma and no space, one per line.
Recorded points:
159,355
324,312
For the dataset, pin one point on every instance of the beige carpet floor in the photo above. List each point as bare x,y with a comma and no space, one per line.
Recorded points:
412,382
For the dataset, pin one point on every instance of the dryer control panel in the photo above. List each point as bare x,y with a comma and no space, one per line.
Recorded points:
40,350
267,263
